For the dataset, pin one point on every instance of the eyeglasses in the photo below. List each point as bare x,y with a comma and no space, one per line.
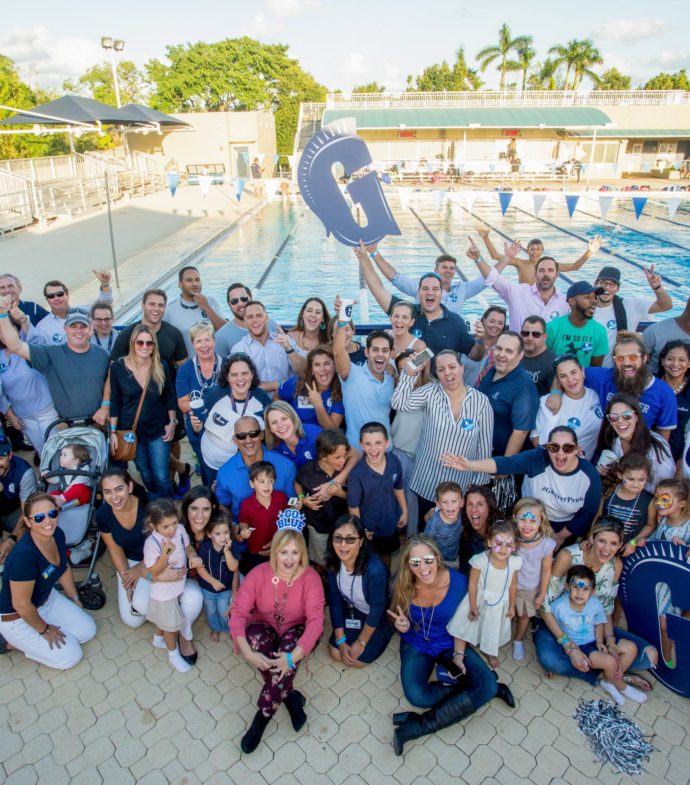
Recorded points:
350,539
41,516
235,300
416,561
247,434
143,343
528,333
554,448
633,357
628,414
53,295
103,319
579,584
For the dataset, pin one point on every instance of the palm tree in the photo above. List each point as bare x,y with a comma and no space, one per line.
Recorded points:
589,55
525,56
566,55
545,75
506,44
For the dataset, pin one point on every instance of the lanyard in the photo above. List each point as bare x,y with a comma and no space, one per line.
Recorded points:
205,384
244,408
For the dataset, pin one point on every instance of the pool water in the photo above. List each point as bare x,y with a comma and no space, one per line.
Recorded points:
310,264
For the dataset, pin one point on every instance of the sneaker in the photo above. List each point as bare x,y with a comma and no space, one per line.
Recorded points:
82,552
177,662
159,642
184,480
518,651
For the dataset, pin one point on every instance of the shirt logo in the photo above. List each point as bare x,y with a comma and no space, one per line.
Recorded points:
452,298
598,412
58,337
611,324
303,402
219,420
416,332
586,347
495,396
395,477
574,423
307,454
554,315
466,424
3,367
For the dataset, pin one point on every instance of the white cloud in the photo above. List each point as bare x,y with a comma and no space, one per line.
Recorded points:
630,30
288,8
394,79
670,58
258,27
354,65
615,61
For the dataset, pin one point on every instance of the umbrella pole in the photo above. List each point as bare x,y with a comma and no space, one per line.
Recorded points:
110,227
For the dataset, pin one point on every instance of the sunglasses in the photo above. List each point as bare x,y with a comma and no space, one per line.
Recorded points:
143,343
41,516
579,584
416,561
528,333
235,300
554,448
247,435
350,539
633,357
628,414
53,295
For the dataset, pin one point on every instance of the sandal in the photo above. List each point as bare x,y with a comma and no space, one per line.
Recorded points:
638,681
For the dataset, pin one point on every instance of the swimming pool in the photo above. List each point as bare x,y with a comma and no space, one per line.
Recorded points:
283,253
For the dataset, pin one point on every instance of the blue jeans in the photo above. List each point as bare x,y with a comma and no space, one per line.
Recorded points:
216,604
554,660
153,461
416,667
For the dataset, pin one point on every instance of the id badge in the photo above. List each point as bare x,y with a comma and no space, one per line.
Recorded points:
353,624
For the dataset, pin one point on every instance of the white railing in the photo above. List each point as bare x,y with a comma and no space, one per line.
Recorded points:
504,98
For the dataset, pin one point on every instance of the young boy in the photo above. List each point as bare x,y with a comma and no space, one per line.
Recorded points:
332,450
258,515
375,492
582,620
444,524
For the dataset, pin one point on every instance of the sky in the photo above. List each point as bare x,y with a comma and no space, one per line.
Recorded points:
341,44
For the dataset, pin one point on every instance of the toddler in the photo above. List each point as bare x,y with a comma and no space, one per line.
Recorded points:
218,575
73,489
444,524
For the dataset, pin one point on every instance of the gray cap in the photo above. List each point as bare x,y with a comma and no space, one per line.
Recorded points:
77,316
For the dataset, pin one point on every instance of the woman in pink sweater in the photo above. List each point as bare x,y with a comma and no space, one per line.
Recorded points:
276,620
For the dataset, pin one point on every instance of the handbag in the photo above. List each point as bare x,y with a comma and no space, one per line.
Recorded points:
127,438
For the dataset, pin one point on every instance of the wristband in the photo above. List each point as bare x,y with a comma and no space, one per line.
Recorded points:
341,640
458,653
564,640
290,663
374,254
105,403
362,643
149,577
556,392
46,630
289,351
632,542
337,324
656,288
12,537
608,637
113,428
301,495
5,316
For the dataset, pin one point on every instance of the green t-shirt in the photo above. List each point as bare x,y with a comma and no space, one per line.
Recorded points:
590,340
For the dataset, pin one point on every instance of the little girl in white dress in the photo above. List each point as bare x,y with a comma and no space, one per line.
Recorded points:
483,617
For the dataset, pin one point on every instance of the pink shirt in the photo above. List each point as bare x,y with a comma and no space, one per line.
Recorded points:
255,601
524,299
153,547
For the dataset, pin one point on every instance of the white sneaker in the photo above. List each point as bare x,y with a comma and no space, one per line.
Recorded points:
177,662
81,552
159,642
518,651
613,691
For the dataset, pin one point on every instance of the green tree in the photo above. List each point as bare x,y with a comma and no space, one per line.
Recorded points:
442,77
234,74
372,87
98,83
502,51
525,55
613,79
664,81
578,56
545,76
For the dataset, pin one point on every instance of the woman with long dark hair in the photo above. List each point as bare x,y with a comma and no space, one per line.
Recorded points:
315,394
674,369
479,513
311,328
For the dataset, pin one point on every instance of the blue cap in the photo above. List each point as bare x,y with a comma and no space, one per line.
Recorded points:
5,447
583,287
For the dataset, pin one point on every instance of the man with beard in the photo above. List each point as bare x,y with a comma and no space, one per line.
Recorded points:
620,315
192,306
233,331
538,360
577,333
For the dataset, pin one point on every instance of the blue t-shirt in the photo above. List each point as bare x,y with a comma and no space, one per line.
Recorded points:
373,494
303,406
214,562
658,401
27,563
366,399
578,625
446,535
306,446
515,402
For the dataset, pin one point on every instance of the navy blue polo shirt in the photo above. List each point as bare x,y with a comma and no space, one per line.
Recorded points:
515,402
373,494
303,406
34,311
447,332
306,446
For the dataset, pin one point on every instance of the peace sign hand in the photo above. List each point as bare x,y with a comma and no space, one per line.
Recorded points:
313,394
653,279
400,620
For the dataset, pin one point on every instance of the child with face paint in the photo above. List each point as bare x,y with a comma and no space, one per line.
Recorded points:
483,617
537,545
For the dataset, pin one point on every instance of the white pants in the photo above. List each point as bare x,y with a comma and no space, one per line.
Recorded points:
191,603
34,429
75,623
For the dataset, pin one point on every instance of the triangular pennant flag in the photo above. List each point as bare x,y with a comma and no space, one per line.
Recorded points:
672,204
604,204
173,181
504,198
439,196
240,182
538,200
638,203
468,198
404,196
571,201
205,184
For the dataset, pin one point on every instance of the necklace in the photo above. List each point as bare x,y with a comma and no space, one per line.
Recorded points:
677,390
279,602
525,541
426,628
204,384
505,583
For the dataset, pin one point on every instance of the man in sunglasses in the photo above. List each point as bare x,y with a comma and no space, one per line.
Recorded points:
50,331
538,360
17,482
234,330
232,483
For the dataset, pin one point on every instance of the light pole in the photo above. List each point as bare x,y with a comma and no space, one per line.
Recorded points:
112,46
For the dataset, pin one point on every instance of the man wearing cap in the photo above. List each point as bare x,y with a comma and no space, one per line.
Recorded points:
624,315
17,482
76,370
577,333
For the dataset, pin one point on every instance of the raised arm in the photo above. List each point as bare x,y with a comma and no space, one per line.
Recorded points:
483,232
382,296
663,298
592,247
343,363
8,333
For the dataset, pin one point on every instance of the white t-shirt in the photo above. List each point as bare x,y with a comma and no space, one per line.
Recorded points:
583,415
217,445
636,310
183,315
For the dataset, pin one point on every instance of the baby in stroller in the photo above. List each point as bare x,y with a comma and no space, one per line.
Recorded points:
72,489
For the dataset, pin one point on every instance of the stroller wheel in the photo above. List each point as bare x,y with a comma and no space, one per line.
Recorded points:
92,597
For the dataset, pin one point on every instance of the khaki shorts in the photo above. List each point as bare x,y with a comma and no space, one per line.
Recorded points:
166,614
317,546
524,605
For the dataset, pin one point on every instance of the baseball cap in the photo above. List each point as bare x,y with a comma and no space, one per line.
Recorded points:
583,287
5,447
77,316
609,274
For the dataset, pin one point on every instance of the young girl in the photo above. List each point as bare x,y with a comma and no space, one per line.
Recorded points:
73,489
167,546
218,576
483,617
536,550
479,515
629,503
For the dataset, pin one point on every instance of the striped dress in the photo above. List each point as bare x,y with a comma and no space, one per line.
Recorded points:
471,435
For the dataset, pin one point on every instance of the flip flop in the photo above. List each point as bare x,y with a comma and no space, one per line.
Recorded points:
638,681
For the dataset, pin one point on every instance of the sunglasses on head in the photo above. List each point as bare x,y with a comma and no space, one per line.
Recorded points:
339,539
416,561
242,435
580,584
554,448
628,414
633,357
235,300
41,516
533,333
53,295
143,343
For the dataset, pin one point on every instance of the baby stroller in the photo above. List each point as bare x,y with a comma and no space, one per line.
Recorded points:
78,523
